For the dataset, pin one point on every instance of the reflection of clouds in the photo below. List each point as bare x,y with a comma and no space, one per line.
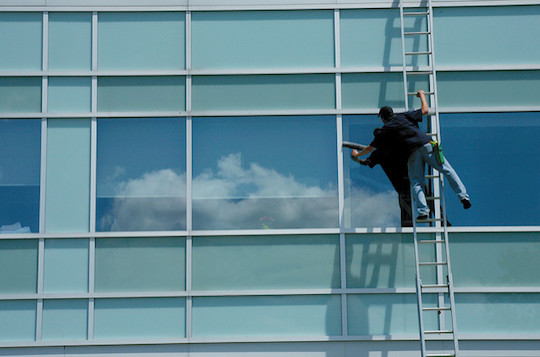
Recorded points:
370,209
235,197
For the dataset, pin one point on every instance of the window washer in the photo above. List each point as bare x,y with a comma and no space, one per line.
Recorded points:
401,133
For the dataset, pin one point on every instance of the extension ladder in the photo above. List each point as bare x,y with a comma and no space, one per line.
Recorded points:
436,304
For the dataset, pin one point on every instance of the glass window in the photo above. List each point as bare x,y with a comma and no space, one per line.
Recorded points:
20,41
372,37
17,320
502,182
141,174
500,33
66,265
18,266
70,41
140,264
132,94
68,175
380,261
508,314
69,94
20,94
267,316
264,92
371,199
276,262
244,39
495,259
20,157
65,319
139,318
141,40
384,314
488,89
282,174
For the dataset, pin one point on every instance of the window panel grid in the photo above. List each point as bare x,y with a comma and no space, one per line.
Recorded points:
91,295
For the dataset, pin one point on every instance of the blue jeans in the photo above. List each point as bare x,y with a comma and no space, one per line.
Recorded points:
417,159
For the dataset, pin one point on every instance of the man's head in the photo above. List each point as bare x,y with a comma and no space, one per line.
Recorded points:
386,113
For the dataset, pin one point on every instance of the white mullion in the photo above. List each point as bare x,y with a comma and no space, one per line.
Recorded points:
189,180
91,286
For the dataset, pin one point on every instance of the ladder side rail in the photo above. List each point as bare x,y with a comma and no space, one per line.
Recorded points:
418,281
404,57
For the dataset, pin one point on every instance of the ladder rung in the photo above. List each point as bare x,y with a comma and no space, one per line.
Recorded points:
412,13
431,134
414,93
428,220
438,331
432,176
435,286
417,73
440,354
431,241
417,33
417,53
445,308
433,198
433,263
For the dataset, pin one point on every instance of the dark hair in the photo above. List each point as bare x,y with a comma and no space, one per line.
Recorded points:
386,113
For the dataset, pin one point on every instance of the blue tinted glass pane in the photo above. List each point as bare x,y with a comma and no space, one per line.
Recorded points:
372,37
66,265
376,90
18,266
20,41
263,39
65,319
68,94
500,35
70,41
68,175
20,157
18,94
17,320
267,316
277,262
496,178
131,94
371,199
282,174
145,40
141,174
382,314
495,259
140,264
488,88
380,261
139,318
508,314
264,92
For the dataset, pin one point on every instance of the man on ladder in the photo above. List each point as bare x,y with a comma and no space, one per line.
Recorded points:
400,132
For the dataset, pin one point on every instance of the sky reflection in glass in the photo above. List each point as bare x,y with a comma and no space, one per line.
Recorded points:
141,174
264,172
497,157
20,150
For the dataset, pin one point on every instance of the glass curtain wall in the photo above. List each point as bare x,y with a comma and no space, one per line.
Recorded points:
178,175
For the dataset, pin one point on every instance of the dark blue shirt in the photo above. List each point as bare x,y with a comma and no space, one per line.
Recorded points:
402,133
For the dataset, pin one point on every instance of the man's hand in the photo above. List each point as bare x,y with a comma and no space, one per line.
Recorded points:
425,107
354,153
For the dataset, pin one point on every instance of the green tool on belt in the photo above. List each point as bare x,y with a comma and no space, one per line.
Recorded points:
437,151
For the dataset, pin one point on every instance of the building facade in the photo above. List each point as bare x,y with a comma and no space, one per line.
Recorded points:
172,181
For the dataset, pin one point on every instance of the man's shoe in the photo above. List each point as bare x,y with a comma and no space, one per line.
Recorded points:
466,203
